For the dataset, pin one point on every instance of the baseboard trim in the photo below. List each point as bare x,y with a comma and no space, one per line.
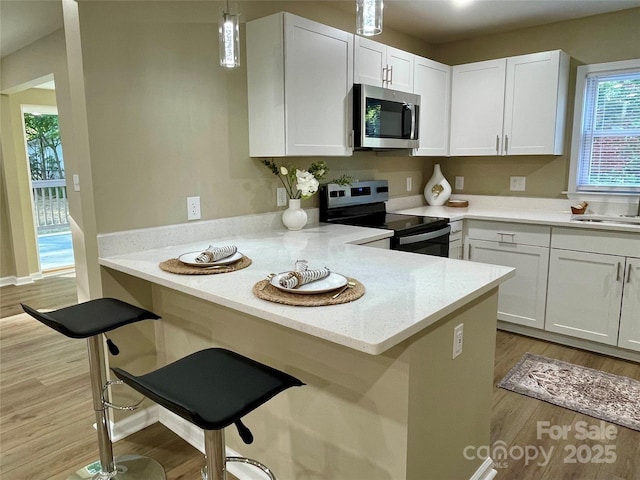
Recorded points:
6,281
133,423
195,436
184,429
570,341
17,281
485,471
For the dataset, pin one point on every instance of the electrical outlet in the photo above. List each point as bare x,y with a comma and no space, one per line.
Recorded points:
409,184
281,197
518,184
459,183
193,208
457,340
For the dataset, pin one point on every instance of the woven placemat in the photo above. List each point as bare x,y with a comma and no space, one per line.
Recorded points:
173,265
264,290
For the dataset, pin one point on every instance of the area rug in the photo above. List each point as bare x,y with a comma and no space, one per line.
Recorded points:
608,397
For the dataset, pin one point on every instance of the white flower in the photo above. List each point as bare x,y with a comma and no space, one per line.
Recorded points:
284,171
307,183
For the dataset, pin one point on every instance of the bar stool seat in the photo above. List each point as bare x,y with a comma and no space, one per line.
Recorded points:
90,320
213,389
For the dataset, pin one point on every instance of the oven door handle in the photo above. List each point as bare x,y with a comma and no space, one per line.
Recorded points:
424,236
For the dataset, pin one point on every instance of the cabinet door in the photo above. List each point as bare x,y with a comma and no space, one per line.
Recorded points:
318,79
400,66
432,81
521,299
534,94
629,336
477,108
584,295
370,60
455,249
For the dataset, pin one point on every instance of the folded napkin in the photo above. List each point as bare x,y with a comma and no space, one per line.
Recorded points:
213,254
301,277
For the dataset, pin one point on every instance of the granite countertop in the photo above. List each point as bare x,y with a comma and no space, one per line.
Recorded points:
551,212
405,292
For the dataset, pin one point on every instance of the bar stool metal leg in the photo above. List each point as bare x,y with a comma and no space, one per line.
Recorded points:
214,449
128,467
216,462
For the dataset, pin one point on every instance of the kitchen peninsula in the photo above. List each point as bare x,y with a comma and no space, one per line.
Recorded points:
384,398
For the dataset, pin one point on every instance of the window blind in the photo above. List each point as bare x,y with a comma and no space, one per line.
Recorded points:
610,147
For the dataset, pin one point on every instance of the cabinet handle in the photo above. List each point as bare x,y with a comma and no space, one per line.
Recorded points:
508,234
384,75
629,274
618,273
497,144
506,144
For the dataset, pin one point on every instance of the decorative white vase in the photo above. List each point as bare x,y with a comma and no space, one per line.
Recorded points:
437,190
294,217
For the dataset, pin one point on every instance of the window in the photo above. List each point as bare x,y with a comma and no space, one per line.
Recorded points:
605,154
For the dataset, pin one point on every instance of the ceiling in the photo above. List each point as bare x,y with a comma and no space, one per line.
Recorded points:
434,21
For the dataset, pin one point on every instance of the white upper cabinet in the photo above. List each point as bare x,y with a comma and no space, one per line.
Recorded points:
432,81
477,106
299,77
383,66
511,106
535,103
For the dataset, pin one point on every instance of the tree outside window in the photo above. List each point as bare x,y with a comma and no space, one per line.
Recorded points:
44,146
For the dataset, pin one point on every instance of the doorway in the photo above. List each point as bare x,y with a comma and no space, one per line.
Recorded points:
48,188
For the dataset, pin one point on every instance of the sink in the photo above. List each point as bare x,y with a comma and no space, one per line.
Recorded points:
592,217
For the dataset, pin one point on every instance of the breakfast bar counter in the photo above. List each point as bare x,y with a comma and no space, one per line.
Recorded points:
384,399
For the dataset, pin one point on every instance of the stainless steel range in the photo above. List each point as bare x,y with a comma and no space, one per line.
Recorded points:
363,204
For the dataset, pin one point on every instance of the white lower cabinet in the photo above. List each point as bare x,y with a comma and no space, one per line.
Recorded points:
584,295
456,245
521,299
629,335
594,292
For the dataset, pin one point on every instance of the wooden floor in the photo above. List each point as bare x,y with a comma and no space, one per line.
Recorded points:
46,415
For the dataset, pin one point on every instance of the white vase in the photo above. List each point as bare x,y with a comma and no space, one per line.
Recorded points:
294,217
437,190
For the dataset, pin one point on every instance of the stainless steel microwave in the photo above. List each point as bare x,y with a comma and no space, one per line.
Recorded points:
384,118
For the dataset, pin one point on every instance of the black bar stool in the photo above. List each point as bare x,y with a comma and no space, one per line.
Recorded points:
212,389
89,320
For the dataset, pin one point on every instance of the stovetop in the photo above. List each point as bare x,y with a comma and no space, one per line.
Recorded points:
399,223
362,204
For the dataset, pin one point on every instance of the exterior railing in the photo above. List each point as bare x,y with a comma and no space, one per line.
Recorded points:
51,207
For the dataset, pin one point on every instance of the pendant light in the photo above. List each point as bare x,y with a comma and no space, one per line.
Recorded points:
229,33
369,17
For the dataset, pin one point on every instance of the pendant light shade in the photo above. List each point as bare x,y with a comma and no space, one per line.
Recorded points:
229,32
369,17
